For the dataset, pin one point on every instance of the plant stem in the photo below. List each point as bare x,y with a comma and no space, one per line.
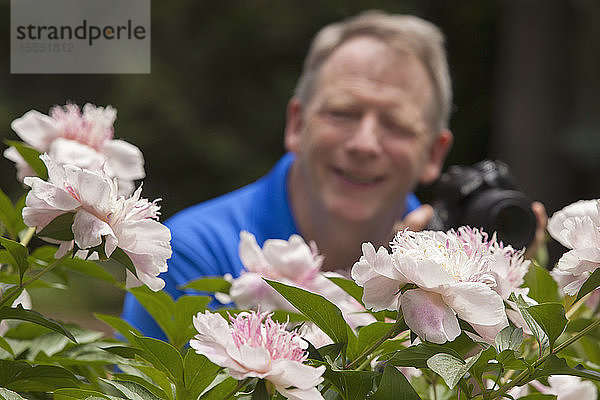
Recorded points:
13,292
573,309
27,236
393,331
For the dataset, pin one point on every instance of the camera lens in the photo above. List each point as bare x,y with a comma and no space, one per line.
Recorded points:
506,212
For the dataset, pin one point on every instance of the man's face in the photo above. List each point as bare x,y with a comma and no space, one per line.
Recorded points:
363,141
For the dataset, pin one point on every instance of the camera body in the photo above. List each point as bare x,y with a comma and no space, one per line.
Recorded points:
484,196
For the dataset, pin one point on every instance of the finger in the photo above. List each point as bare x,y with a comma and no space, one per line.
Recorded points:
539,238
416,220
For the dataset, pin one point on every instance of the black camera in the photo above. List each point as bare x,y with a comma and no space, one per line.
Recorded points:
483,196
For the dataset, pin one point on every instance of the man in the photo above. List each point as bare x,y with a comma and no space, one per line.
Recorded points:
367,123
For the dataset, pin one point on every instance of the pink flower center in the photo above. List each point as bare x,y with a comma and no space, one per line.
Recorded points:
90,130
259,330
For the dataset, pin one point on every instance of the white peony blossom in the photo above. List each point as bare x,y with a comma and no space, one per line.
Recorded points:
101,218
81,139
452,280
292,262
577,227
253,345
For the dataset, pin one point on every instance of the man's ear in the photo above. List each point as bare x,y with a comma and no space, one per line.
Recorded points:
293,125
437,154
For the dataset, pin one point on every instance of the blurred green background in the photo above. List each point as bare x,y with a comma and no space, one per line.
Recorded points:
210,116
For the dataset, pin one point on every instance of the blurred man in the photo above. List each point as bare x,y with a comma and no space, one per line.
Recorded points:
367,123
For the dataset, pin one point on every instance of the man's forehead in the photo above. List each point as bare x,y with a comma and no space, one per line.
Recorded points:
368,64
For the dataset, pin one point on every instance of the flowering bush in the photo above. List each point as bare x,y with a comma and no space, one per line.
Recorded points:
437,315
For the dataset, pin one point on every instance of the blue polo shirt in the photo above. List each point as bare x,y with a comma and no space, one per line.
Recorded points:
205,237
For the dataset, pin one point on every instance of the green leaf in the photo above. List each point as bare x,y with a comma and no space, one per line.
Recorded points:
156,391
353,385
417,356
538,332
483,364
538,396
132,390
19,313
509,338
60,228
368,335
6,346
542,287
10,395
450,368
199,372
32,157
162,356
210,285
394,386
160,306
122,258
18,254
260,391
79,394
590,284
186,307
551,317
509,361
558,366
219,391
120,325
20,376
321,311
348,286
8,215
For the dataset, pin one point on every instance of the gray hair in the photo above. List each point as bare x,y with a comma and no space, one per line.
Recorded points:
401,32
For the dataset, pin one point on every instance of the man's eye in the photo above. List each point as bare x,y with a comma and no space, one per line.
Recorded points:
342,114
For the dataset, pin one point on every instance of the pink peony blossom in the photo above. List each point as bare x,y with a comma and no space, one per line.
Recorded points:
253,345
101,217
452,279
81,139
292,262
577,227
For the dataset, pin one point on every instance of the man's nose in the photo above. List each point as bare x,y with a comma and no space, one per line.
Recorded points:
365,140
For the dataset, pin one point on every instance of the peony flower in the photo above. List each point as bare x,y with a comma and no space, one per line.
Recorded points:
292,262
567,387
101,218
577,227
81,139
506,265
452,280
254,346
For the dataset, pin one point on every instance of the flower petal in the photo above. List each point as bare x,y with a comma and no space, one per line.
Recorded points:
475,303
424,273
285,373
579,261
88,230
51,194
428,316
125,160
36,129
